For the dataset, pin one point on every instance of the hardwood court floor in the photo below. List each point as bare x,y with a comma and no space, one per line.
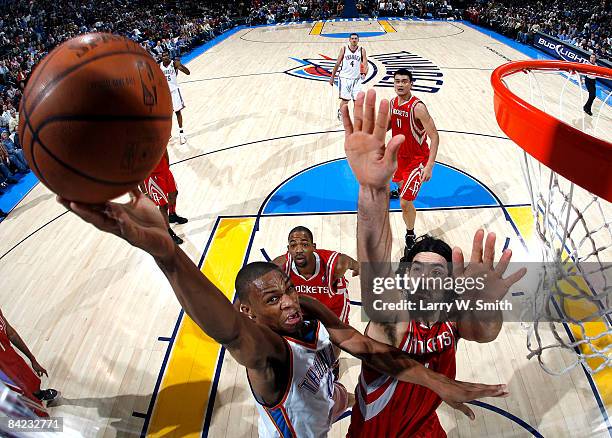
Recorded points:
104,322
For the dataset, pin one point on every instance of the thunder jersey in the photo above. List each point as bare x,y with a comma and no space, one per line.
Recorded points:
351,63
387,407
322,285
403,122
170,74
306,407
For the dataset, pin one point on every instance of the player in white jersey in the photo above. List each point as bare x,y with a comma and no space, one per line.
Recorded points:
170,69
283,341
353,64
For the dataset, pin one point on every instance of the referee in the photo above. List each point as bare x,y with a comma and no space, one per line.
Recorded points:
589,83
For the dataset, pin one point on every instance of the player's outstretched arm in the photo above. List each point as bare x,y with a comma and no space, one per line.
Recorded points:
477,324
373,164
140,223
421,113
396,363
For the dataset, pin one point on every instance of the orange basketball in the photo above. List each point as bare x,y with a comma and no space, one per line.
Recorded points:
95,117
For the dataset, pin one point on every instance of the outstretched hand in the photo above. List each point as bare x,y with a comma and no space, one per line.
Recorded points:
139,222
481,266
455,393
364,143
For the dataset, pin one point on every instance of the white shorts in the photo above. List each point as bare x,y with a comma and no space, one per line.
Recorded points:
177,100
349,88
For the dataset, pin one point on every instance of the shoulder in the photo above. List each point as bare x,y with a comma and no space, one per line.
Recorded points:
281,259
325,254
420,108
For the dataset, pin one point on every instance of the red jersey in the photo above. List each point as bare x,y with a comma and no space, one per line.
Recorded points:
323,286
163,167
384,406
21,377
404,122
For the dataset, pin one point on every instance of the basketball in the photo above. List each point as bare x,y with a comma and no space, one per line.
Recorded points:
95,117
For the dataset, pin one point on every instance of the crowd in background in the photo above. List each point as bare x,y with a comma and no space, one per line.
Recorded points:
30,29
586,24
277,11
442,9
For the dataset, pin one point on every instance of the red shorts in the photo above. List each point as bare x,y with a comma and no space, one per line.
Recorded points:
410,171
159,185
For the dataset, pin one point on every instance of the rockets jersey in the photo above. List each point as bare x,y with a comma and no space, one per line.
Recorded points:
5,343
403,122
170,74
321,285
20,377
306,407
385,406
163,167
351,63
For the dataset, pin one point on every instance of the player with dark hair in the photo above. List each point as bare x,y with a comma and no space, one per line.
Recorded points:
410,118
284,341
353,64
384,405
318,273
170,69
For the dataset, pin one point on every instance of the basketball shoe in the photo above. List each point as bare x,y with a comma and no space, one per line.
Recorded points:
176,219
176,238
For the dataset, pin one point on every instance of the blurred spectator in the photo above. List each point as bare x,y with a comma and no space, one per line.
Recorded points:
587,24
14,154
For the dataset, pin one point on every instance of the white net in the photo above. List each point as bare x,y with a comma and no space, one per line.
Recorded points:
572,307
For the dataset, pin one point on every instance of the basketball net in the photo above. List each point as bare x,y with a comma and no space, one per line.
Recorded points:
571,308
574,288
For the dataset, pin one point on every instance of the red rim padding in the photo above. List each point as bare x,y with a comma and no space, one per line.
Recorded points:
577,156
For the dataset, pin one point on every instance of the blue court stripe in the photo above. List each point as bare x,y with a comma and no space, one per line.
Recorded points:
509,416
265,255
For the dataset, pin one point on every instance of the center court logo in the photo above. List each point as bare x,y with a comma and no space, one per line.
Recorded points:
427,75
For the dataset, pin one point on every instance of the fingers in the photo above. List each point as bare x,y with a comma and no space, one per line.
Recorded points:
466,410
391,150
476,256
369,116
380,127
358,111
513,278
489,250
458,262
95,215
482,390
503,262
346,121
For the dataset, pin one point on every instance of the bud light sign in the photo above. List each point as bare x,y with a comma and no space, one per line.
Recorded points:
566,52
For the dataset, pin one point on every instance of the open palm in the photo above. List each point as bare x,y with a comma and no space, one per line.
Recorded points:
482,266
372,163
